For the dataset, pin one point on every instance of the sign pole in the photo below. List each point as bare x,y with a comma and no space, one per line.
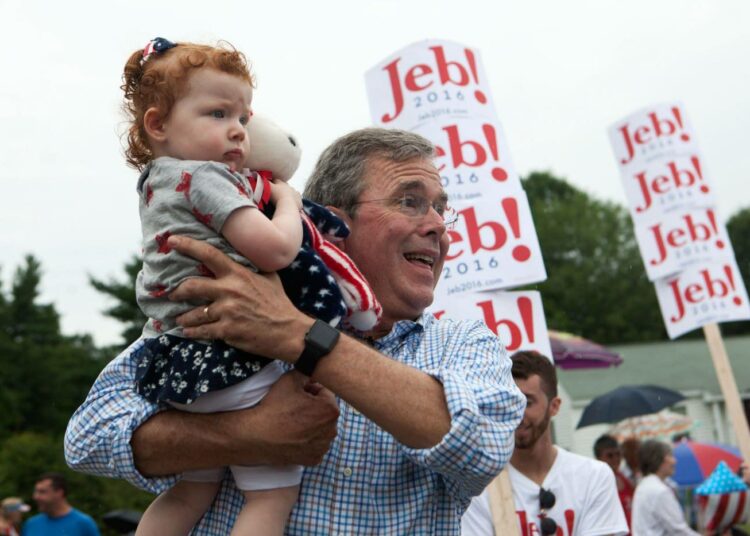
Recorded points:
728,388
502,506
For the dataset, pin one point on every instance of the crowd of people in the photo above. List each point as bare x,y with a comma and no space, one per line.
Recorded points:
56,515
398,427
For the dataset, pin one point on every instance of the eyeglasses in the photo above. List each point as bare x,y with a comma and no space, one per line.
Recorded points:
417,206
546,502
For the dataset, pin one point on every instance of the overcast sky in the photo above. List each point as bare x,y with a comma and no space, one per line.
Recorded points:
560,73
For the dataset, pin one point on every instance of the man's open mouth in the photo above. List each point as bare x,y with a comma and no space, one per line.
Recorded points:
416,257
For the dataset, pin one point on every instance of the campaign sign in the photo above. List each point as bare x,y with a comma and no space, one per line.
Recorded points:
428,80
682,239
493,245
659,131
516,317
667,185
700,295
472,158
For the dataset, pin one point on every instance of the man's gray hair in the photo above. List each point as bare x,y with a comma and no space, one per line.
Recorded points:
337,179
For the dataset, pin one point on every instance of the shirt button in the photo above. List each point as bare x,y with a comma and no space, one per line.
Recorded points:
347,471
354,410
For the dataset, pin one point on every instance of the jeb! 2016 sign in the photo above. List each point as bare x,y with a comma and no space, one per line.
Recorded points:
684,246
439,90
427,81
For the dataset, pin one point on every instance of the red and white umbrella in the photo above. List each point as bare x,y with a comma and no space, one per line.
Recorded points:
662,425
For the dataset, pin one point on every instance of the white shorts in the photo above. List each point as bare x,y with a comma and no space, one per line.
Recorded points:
242,395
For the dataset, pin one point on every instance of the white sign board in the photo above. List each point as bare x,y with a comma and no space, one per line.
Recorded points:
650,134
516,317
427,81
680,240
473,158
439,90
668,185
701,295
493,245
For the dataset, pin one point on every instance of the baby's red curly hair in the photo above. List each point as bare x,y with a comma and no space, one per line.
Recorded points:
162,79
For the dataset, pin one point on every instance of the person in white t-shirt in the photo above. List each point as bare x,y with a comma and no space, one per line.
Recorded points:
555,491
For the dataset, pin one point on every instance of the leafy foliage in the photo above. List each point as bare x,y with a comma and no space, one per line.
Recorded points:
597,286
126,308
738,227
45,376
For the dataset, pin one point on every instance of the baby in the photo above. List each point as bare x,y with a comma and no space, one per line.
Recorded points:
190,106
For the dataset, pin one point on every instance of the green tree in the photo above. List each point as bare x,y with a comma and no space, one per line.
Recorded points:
597,285
125,308
738,227
45,375
25,456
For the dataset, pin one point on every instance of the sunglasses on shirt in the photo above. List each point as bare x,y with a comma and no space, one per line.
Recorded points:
548,525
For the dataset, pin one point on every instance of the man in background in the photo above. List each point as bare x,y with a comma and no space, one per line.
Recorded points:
555,491
56,515
607,450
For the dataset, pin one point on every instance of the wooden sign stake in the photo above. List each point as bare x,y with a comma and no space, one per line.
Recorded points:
502,506
728,386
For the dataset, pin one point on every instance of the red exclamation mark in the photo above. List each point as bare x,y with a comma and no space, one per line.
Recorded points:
730,277
520,253
712,221
678,117
570,519
479,94
527,316
498,173
699,172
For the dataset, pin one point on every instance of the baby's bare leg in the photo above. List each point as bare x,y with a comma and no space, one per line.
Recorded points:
266,512
176,511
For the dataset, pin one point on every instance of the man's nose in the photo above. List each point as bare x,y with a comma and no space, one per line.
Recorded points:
434,222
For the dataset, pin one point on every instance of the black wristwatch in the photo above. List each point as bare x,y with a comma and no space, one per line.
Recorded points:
319,342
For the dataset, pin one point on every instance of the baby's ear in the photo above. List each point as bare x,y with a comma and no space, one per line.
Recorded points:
153,124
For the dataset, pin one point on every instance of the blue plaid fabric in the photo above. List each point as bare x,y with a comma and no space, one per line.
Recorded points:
368,483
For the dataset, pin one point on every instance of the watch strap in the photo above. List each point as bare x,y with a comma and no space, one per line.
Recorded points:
319,341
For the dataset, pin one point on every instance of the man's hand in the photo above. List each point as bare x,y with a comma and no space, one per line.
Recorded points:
302,421
248,311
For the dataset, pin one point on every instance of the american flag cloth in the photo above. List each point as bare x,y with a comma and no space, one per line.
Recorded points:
368,483
722,500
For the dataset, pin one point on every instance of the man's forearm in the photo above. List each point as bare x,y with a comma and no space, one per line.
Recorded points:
292,425
174,441
404,401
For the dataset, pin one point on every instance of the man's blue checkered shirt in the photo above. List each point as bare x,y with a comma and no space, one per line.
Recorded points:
368,483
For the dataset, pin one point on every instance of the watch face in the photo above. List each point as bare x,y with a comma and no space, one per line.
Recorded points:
323,336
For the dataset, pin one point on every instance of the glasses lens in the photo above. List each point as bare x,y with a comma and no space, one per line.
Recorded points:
450,216
549,526
546,499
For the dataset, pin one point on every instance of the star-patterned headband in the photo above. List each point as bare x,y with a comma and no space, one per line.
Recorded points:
158,44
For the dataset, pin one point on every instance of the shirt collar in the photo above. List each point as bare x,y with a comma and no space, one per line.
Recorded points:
403,329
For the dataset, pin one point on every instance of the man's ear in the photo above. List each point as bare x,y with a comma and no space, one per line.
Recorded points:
153,124
554,405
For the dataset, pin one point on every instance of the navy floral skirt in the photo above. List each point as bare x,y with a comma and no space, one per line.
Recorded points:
176,369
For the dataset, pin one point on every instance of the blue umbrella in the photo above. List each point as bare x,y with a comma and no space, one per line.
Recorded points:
628,401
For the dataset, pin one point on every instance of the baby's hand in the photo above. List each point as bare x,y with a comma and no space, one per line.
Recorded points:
281,190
